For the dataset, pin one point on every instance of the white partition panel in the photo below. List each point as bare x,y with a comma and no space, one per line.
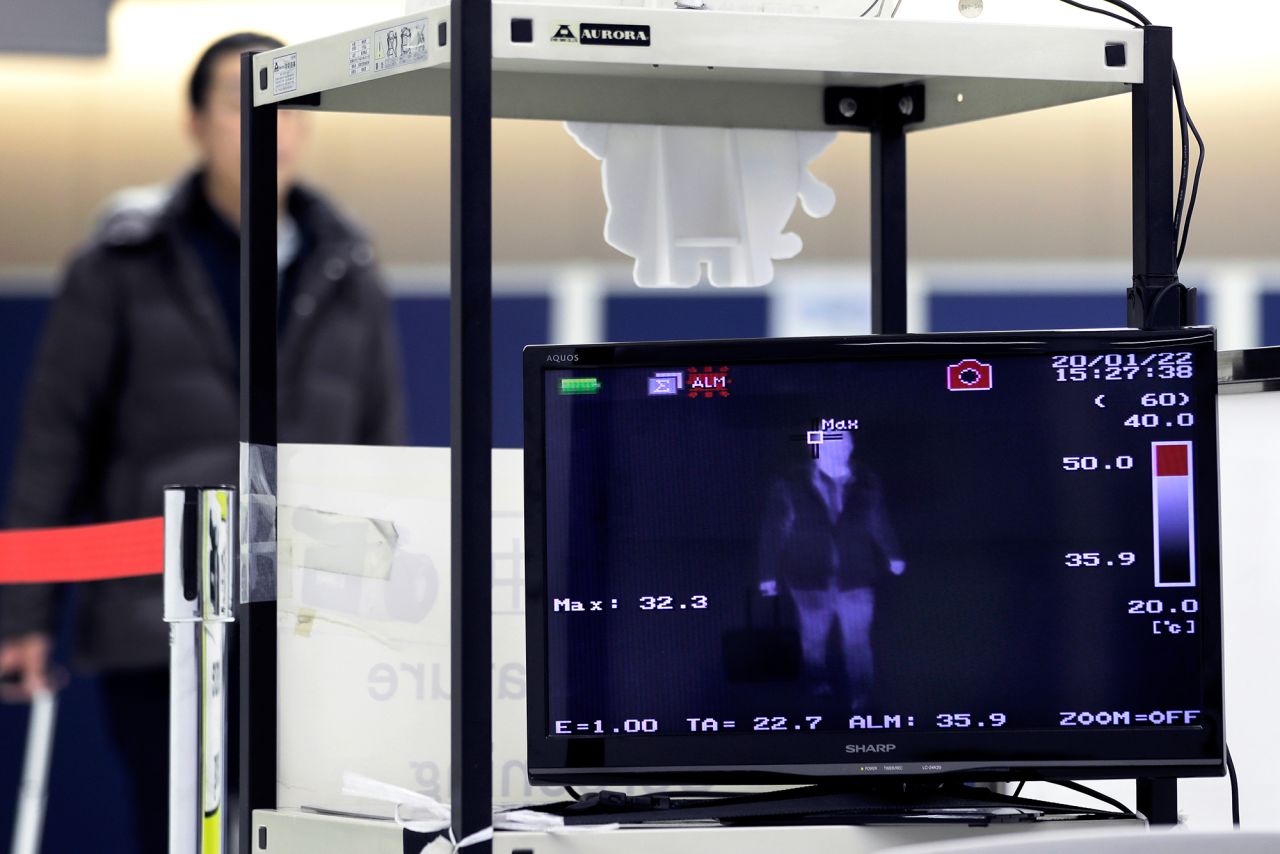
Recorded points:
364,624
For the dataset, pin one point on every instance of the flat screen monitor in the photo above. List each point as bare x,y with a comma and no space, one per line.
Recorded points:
984,556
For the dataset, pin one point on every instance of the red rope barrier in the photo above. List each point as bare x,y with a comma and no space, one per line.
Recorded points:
83,552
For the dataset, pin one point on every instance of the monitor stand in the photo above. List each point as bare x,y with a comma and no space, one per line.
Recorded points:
1158,800
828,804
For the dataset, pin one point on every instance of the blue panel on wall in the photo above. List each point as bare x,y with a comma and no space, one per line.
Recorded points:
646,318
517,321
1271,319
423,324
958,311
21,319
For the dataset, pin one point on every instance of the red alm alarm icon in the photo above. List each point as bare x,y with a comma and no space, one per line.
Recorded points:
708,382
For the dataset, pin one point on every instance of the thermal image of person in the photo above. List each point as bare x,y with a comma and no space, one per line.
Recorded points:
827,540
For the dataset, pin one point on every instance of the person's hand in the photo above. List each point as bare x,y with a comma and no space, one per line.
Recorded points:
769,588
897,567
24,667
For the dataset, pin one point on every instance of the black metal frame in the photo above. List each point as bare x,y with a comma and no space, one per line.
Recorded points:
470,424
255,624
885,113
1156,300
471,417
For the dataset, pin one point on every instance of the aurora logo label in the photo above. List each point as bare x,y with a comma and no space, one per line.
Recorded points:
625,35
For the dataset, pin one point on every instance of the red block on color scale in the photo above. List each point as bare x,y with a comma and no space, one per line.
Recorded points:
1171,460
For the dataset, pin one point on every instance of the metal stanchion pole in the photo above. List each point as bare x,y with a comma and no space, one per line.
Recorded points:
200,546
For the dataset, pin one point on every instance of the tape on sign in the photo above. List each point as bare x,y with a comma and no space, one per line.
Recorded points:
83,552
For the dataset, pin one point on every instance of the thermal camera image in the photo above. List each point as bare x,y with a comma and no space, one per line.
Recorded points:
826,541
841,542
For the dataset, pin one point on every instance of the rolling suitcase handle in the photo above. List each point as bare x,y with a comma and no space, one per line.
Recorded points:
33,790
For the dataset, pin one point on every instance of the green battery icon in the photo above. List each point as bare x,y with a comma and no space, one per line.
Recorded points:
579,385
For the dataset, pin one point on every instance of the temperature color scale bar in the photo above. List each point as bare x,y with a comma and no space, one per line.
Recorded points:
1173,520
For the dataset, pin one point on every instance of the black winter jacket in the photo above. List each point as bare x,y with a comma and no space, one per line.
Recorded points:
134,388
803,547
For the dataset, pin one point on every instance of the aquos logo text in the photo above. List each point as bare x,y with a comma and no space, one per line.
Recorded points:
562,357
618,35
869,748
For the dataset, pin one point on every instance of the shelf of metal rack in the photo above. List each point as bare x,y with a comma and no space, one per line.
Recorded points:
729,69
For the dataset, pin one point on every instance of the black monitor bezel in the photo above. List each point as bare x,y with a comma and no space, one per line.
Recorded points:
814,756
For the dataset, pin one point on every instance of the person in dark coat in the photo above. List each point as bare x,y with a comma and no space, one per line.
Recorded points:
135,386
827,540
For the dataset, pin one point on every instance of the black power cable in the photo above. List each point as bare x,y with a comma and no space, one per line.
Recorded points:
1106,12
1195,186
1186,205
1094,793
1084,790
1183,120
1131,10
1235,790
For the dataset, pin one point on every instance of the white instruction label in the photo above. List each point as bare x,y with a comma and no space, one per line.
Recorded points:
402,45
284,73
360,56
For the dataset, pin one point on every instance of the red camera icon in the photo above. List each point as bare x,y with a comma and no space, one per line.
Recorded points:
969,375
